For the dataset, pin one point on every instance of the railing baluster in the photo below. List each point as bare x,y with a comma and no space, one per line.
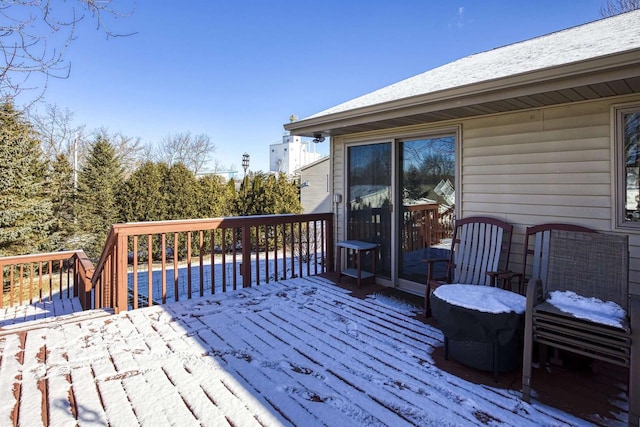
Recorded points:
275,253
40,285
176,291
224,260
213,264
266,252
150,269
135,271
300,246
257,235
11,286
21,281
189,264
163,254
201,251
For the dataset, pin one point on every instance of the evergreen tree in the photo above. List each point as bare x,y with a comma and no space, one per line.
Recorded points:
233,197
281,196
99,182
213,197
25,217
140,198
180,191
61,189
268,195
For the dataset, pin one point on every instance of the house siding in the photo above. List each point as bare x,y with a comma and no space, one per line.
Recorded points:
552,164
314,189
548,165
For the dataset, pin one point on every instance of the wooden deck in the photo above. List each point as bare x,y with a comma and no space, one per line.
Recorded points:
298,352
19,314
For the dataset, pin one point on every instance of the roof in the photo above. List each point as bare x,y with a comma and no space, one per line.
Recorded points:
594,60
297,352
314,163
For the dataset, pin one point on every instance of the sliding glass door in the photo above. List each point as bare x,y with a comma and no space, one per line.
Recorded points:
401,195
426,198
369,199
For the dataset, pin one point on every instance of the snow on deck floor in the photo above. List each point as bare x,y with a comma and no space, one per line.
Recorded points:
39,310
298,352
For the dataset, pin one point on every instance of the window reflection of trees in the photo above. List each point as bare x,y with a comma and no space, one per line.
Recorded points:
427,163
631,138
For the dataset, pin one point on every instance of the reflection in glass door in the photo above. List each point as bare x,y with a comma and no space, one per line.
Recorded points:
427,182
369,199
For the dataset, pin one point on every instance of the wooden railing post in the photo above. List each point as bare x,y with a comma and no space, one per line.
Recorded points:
120,287
83,273
245,269
330,244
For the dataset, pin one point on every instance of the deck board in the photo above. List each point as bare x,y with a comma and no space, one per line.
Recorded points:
298,352
38,310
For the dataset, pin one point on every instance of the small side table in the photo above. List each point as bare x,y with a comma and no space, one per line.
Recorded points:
358,247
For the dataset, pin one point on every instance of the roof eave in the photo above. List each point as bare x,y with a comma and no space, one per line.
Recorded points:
596,70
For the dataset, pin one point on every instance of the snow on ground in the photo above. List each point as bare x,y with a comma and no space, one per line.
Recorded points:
297,352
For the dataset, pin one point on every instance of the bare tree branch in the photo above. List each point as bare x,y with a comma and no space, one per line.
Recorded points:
191,151
57,132
34,36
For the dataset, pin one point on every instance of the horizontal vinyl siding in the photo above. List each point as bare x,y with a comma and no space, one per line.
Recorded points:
531,167
550,165
315,196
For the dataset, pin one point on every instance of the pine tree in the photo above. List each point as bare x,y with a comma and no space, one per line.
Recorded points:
99,182
180,192
140,199
283,196
233,197
25,217
213,197
62,193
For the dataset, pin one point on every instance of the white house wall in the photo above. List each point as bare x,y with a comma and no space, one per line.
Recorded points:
549,165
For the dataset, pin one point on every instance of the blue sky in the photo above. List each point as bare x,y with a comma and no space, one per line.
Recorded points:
237,69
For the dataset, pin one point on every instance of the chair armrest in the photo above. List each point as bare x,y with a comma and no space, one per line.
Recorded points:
499,274
508,280
430,263
534,292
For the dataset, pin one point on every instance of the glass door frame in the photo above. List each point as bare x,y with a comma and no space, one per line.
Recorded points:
395,140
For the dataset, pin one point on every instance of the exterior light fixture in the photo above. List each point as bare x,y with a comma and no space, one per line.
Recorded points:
317,137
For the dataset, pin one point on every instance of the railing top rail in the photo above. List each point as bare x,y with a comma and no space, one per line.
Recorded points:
49,256
423,207
154,227
111,241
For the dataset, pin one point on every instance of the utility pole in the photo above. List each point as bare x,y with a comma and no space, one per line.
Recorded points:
75,161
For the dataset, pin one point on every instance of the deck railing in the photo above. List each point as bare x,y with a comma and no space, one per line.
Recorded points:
45,277
425,225
152,262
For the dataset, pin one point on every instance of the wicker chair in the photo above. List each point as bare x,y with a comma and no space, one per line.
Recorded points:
591,265
478,247
535,257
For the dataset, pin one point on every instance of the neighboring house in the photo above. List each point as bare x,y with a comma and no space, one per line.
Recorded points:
545,130
291,154
315,187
